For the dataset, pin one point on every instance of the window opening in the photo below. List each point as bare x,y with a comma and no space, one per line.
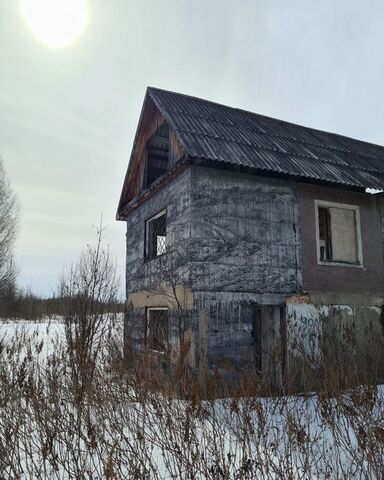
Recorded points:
338,233
157,329
156,236
157,153
325,234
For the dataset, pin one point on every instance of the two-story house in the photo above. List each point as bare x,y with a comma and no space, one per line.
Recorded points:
248,235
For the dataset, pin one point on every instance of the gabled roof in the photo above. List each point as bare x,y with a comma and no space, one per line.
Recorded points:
216,135
210,131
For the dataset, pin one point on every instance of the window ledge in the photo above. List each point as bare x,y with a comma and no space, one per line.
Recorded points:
340,264
151,259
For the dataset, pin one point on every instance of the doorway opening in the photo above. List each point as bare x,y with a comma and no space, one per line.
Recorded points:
270,342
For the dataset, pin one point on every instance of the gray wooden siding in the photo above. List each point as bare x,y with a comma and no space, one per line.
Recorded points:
244,233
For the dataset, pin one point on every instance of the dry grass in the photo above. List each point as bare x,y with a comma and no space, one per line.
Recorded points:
130,423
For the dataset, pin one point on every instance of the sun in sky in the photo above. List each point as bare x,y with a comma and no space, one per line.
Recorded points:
56,23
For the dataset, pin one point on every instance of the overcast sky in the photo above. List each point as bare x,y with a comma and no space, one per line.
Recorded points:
68,116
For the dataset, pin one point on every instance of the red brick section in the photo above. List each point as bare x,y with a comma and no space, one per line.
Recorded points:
324,278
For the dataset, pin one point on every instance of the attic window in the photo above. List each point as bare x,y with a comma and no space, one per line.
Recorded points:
156,236
157,155
338,233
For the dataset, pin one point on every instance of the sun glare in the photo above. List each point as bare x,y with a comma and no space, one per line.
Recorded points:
56,23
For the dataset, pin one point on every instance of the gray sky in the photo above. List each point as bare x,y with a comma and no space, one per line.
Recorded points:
68,116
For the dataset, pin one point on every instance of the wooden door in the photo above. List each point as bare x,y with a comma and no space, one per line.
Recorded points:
269,342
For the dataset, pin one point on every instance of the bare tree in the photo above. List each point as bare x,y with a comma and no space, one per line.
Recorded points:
89,292
9,213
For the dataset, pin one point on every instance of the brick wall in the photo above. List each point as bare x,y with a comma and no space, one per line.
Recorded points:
334,278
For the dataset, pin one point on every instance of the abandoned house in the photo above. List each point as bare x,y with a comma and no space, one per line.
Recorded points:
246,234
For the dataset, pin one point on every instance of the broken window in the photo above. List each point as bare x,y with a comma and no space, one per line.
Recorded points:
157,329
156,235
325,234
157,155
338,233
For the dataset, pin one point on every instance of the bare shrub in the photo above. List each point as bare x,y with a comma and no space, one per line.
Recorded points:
88,292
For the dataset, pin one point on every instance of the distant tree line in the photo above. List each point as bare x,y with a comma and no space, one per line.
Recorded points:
24,304
17,303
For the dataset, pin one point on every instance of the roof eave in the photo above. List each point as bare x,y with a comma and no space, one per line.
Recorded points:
160,183
131,155
272,174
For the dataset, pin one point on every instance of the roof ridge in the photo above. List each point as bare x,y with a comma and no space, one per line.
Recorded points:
277,136
326,155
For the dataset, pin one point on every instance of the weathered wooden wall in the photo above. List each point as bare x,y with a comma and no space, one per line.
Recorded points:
233,242
246,251
150,283
244,233
151,121
234,238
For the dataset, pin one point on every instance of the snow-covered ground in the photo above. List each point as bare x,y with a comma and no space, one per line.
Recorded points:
296,437
43,336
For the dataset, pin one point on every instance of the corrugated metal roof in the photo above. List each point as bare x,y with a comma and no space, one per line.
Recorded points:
220,133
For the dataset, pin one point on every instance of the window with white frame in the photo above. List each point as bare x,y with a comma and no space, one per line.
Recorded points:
156,235
157,329
338,233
